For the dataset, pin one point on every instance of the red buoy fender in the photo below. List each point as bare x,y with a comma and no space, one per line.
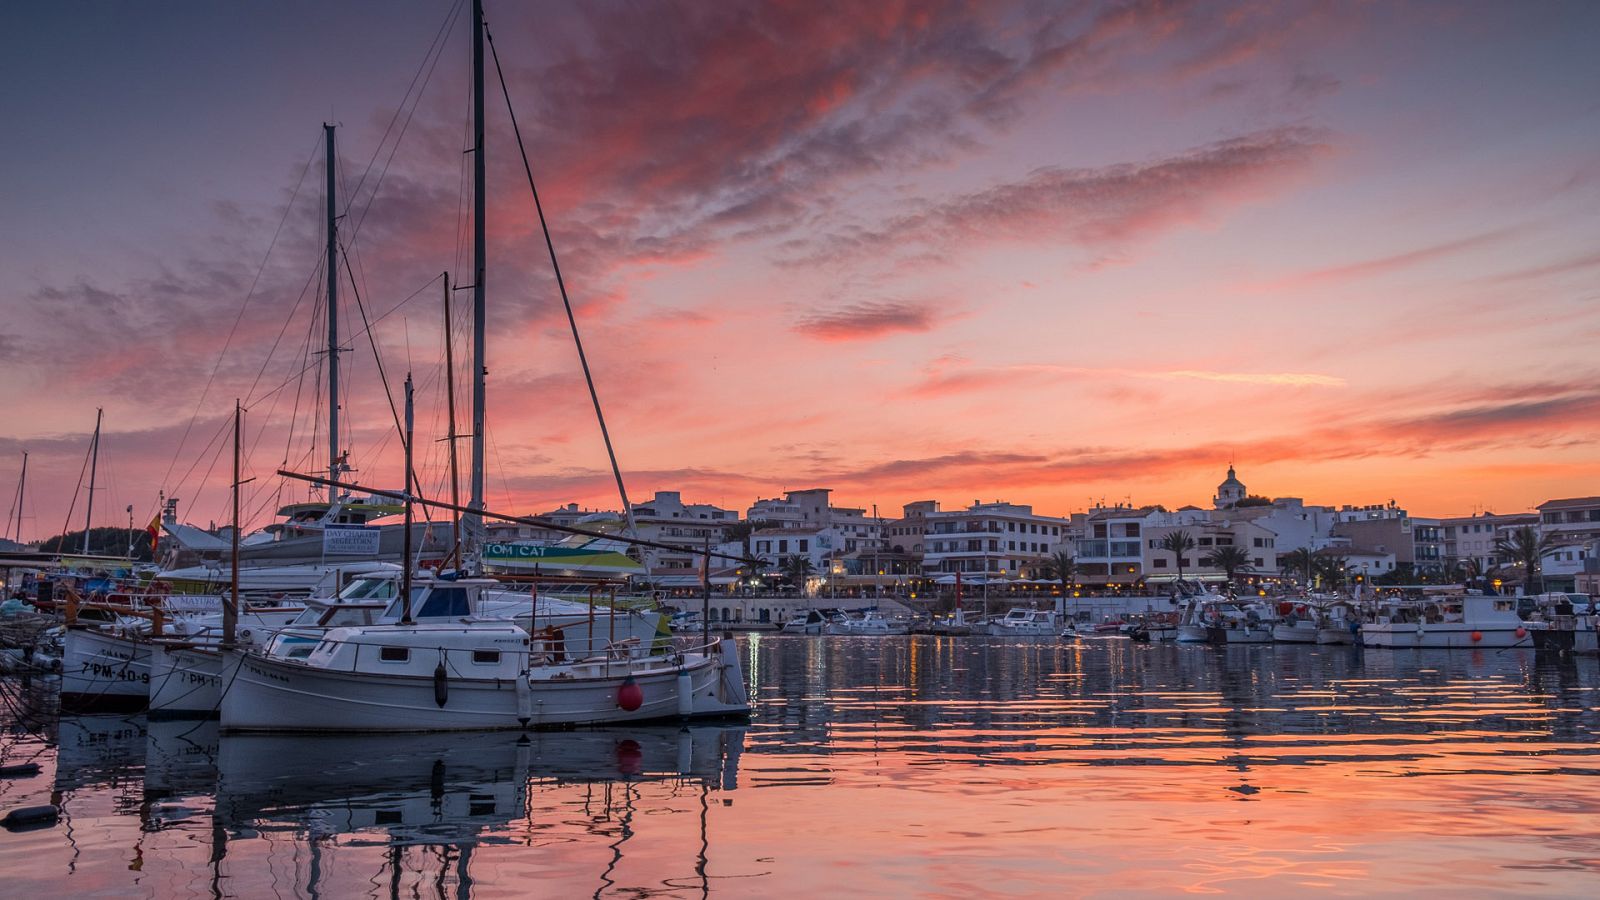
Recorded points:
1521,632
630,696
1477,636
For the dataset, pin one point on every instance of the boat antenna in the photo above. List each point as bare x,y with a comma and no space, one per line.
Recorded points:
605,434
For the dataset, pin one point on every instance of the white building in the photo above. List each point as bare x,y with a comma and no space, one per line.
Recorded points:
993,540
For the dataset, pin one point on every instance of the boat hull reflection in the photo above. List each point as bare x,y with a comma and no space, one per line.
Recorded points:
445,788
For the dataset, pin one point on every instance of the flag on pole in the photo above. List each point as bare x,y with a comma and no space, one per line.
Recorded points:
154,530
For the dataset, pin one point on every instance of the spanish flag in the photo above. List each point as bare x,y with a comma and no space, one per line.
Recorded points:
154,530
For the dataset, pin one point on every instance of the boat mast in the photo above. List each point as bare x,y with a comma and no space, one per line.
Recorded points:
230,605
450,404
333,311
22,487
406,560
94,464
479,264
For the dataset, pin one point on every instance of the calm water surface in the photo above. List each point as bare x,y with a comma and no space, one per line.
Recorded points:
873,767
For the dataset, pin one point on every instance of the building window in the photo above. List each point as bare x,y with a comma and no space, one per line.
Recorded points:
1259,563
783,546
1158,563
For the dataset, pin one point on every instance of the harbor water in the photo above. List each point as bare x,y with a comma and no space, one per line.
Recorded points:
872,766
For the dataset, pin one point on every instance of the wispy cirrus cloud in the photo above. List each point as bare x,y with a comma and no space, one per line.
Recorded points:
867,320
1092,207
955,376
1383,265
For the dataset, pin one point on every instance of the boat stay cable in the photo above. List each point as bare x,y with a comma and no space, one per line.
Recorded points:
566,302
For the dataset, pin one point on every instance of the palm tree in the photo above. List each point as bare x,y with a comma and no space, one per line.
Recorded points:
1329,569
1230,559
1303,562
1477,571
796,568
1062,567
1178,543
1526,547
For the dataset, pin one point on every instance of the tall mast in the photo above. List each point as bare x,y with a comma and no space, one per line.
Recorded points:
94,464
22,487
408,560
230,605
479,264
450,433
333,310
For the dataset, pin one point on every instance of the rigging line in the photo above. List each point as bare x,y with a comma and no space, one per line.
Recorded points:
583,359
223,353
304,290
61,545
222,428
434,45
378,357
436,51
375,320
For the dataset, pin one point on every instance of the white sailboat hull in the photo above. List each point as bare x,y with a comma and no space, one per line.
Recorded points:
279,695
188,682
100,667
1335,636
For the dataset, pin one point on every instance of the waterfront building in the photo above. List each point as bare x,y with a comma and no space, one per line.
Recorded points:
1418,544
811,509
1110,546
1210,533
1470,540
1573,524
988,541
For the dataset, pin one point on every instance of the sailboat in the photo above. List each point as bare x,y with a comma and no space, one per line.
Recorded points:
473,672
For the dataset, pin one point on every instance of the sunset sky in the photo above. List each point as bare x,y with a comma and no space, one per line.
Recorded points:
1043,252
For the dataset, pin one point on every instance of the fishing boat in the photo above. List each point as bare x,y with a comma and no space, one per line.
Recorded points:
1337,622
1297,625
1460,622
473,675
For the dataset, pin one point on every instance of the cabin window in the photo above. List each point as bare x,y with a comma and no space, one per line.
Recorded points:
486,657
394,654
445,601
1504,605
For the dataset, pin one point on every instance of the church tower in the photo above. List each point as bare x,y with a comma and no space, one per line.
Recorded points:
1229,492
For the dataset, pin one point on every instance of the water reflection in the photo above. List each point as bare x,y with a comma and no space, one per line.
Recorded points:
879,766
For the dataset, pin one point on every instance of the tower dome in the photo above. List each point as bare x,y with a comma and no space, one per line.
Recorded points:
1229,492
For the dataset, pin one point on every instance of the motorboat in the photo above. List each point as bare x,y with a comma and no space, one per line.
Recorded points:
1024,622
869,623
809,622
